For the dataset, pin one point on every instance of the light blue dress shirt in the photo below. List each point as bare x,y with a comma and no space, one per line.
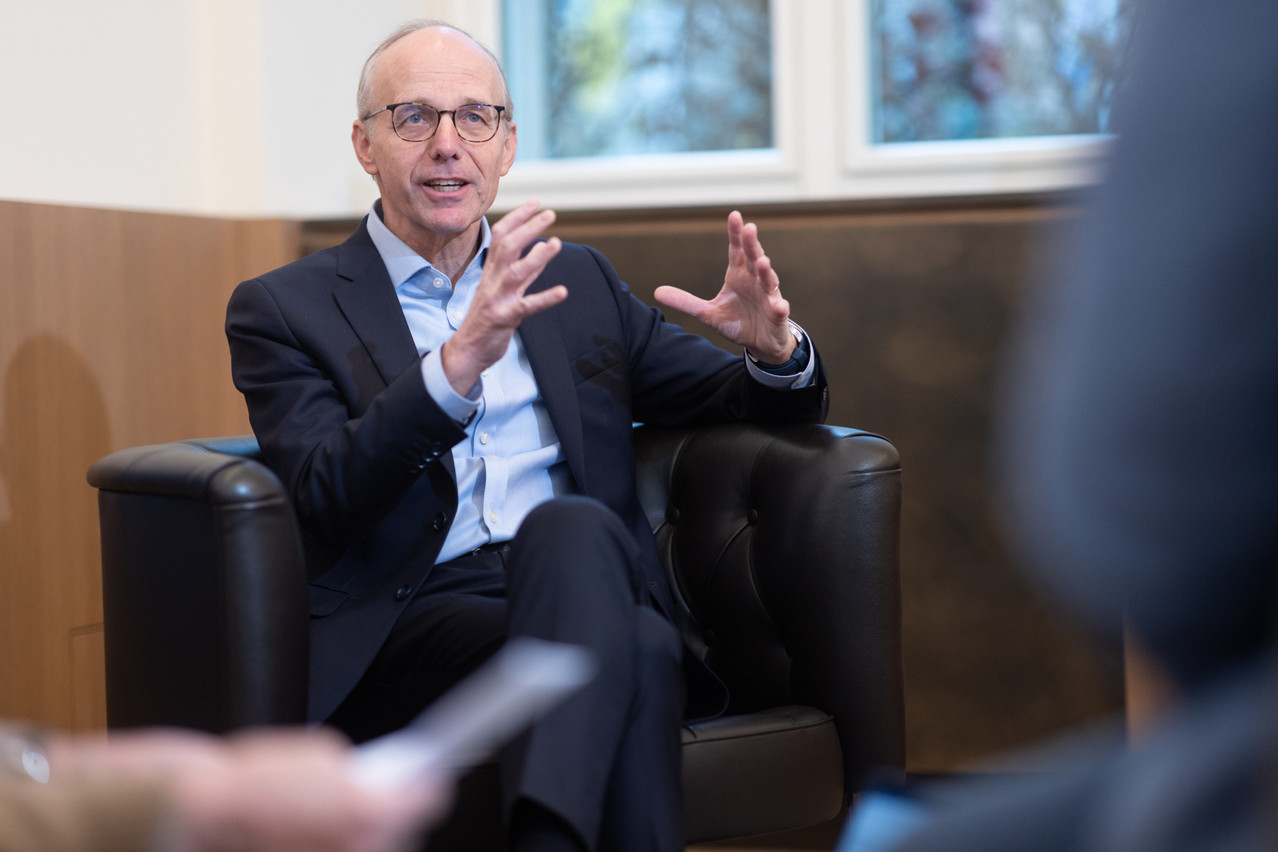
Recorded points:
511,460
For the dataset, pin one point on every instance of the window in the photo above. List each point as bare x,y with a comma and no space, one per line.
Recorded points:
626,77
626,103
984,69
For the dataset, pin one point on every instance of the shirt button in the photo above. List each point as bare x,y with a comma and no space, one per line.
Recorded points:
483,439
403,592
438,283
492,517
457,315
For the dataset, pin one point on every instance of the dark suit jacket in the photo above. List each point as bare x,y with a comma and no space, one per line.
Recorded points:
327,364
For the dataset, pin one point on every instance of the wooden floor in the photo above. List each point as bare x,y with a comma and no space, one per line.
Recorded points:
821,838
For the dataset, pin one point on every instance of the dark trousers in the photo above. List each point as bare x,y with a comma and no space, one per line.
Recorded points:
607,760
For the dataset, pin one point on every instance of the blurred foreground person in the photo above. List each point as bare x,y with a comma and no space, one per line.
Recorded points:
177,791
1141,460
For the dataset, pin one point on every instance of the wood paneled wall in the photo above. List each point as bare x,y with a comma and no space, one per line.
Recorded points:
110,336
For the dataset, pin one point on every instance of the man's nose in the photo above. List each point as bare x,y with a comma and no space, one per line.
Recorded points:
445,142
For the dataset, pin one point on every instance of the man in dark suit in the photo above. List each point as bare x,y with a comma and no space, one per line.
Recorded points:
451,405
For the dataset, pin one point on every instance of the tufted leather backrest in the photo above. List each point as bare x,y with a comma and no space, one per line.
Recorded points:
782,543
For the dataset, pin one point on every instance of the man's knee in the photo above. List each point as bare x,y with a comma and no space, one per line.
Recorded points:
574,536
573,562
573,513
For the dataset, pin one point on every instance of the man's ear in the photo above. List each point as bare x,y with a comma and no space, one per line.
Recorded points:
363,147
509,144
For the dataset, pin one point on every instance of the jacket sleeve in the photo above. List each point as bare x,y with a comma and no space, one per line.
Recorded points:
347,454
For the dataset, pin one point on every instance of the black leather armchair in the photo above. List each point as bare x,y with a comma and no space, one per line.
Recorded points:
780,541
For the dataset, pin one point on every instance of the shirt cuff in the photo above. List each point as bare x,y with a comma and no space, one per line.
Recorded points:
791,381
460,408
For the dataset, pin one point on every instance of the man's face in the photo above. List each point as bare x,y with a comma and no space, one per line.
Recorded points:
437,190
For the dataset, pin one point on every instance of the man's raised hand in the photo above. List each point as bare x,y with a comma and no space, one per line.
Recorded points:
749,309
501,301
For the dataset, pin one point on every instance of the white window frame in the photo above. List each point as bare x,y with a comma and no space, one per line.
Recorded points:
811,62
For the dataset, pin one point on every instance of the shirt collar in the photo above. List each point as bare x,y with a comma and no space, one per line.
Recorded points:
402,263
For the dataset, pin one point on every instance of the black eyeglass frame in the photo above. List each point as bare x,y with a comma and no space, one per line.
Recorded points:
451,113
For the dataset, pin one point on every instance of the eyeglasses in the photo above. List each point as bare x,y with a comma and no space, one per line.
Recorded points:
413,122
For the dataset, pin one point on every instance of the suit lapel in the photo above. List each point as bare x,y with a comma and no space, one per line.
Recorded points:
369,303
543,341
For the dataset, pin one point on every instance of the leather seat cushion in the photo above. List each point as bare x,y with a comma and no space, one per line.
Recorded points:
761,772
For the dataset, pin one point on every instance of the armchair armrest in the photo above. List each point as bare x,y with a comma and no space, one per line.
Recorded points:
204,588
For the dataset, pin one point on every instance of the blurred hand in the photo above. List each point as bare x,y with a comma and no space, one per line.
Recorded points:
270,791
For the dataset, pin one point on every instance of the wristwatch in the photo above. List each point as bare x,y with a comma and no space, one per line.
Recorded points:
22,754
798,360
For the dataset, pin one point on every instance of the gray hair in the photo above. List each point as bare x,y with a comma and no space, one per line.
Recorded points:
364,94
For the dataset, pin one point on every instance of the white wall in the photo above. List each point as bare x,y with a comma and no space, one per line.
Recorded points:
211,107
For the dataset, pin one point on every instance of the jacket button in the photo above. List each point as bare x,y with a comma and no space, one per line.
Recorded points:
439,522
403,592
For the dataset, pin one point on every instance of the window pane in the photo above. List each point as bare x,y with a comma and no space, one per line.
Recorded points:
593,78
982,69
